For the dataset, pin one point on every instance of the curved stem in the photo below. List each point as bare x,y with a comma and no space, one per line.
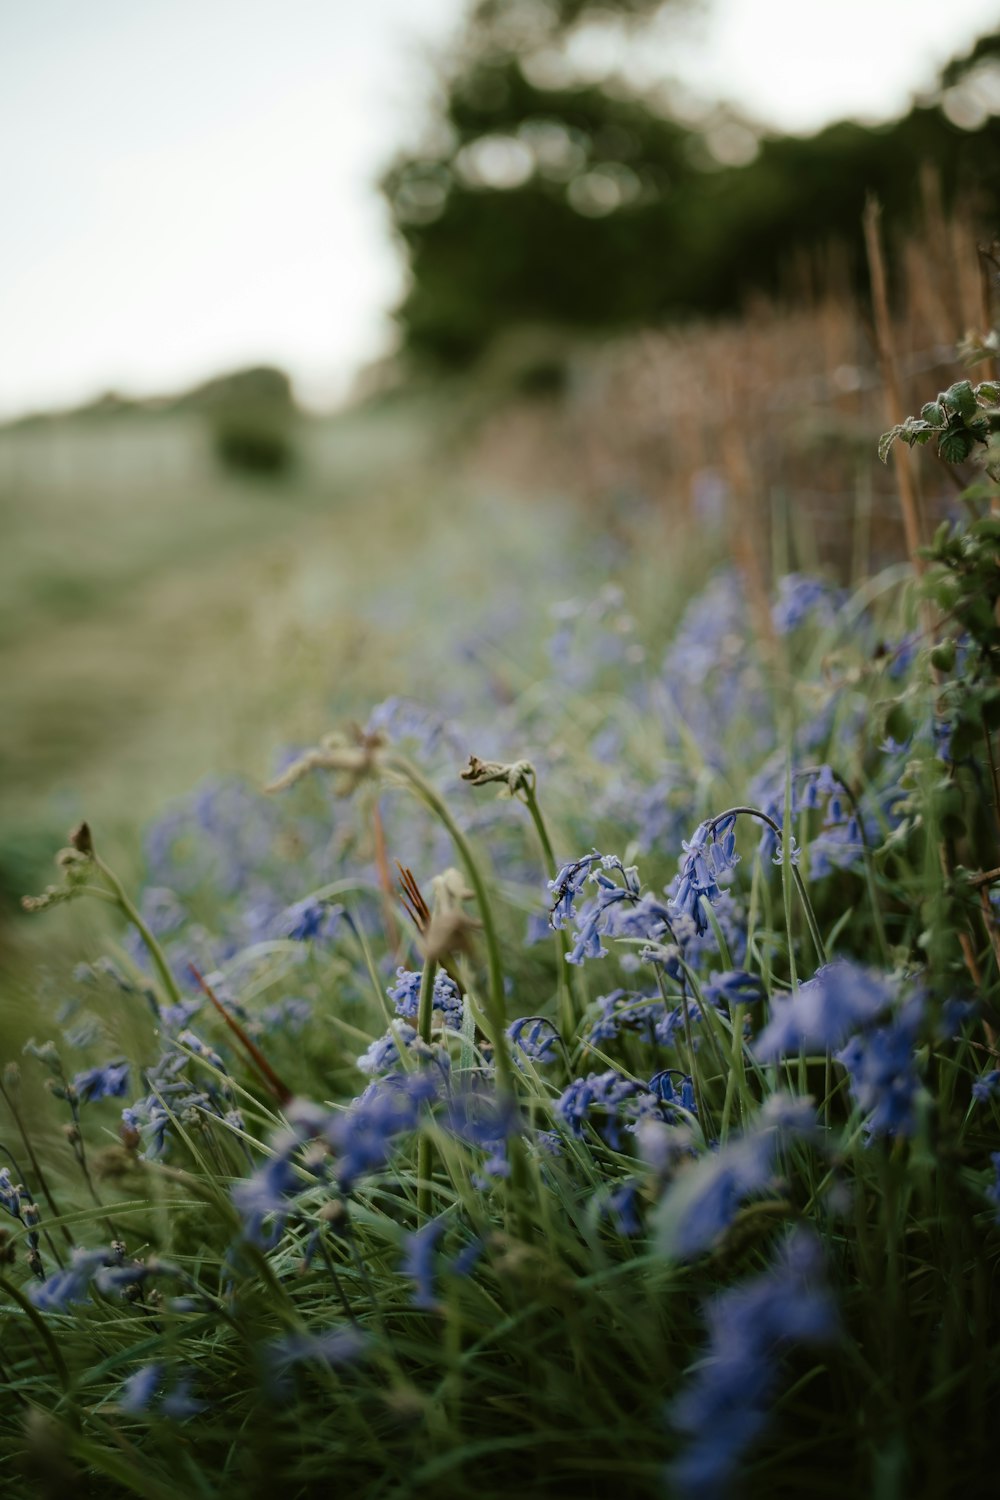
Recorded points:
425,1013
131,912
496,1009
800,885
570,1011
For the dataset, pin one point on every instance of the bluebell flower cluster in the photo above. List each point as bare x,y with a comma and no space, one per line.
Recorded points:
405,995
143,1394
881,1065
597,915
724,1407
708,858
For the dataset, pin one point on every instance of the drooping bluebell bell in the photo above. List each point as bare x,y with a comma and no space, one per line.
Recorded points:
332,1347
724,1407
267,1194
821,1013
620,1205
72,1284
987,1086
704,1199
607,1101
535,1037
569,882
993,1190
803,600
881,1065
597,916
708,856
419,1252
309,919
139,1389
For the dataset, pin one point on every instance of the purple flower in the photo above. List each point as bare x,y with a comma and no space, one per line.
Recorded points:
139,1389
266,1193
333,1347
724,1406
405,995
883,1073
418,1262
985,1087
709,855
703,1200
309,919
822,1012
73,1283
107,1082
535,1037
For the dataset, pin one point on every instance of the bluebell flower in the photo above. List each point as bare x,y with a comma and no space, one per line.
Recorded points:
621,1207
803,600
993,1190
266,1194
309,919
735,987
598,914
704,1200
364,1135
883,1073
708,856
71,1284
724,1406
418,1262
607,1101
984,1088
405,995
535,1037
840,997
568,884
332,1347
140,1388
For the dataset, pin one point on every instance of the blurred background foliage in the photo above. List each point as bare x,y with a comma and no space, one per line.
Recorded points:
540,198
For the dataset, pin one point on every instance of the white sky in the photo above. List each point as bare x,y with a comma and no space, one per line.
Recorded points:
186,185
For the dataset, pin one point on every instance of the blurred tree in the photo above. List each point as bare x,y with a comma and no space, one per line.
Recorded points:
539,197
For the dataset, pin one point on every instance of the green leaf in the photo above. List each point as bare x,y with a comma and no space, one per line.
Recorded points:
955,446
935,414
886,441
988,392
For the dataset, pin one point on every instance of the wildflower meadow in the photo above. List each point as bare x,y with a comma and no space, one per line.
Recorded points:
579,1080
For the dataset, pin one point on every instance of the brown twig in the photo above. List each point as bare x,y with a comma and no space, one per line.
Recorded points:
278,1087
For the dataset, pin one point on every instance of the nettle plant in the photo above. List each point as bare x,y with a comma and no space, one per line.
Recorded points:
653,1144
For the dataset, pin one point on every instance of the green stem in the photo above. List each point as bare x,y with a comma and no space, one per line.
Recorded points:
132,915
425,1159
496,1010
571,1008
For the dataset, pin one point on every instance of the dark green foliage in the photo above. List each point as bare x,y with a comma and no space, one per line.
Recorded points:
607,213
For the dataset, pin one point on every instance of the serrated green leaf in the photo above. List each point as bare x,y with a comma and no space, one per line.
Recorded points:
988,392
935,414
955,446
886,441
961,397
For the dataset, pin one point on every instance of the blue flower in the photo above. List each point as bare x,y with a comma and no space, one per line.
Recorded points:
140,1388
266,1193
710,854
724,1406
309,919
882,1069
71,1284
822,1012
332,1347
703,1201
405,994
535,1036
418,1262
984,1088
